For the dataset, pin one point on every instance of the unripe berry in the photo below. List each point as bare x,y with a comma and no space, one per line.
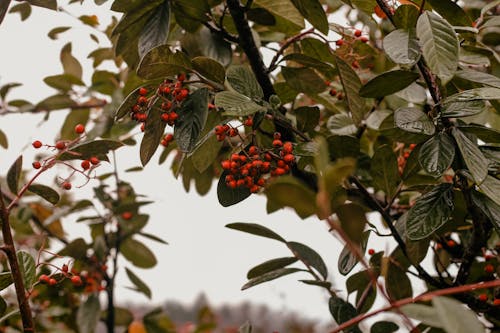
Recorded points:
482,297
143,91
66,186
94,160
371,252
76,280
489,268
36,165
85,164
37,144
79,129
60,145
127,215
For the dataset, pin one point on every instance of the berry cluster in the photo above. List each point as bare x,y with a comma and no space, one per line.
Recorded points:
358,34
403,156
253,167
51,280
333,92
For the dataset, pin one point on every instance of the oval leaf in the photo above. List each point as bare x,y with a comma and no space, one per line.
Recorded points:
413,120
138,283
48,193
236,104
309,257
474,159
14,173
436,155
27,267
342,311
88,314
137,253
269,266
351,83
192,118
155,31
242,79
388,83
210,69
270,276
256,229
228,196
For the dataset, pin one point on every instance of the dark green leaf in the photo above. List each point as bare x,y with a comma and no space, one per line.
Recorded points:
307,117
48,193
49,4
153,133
352,220
309,257
388,83
14,173
269,266
27,268
397,283
53,34
486,134
384,169
256,229
55,102
452,12
236,104
160,62
287,191
341,124
4,90
343,311
5,280
270,276
439,45
384,327
155,31
88,314
242,79
347,259
3,307
153,237
138,283
228,196
463,108
317,49
314,13
287,16
4,142
192,118
406,16
401,46
430,212
359,283
474,159
92,148
322,284
491,187
437,154
479,77
190,13
303,80
24,9
488,207
138,254
210,69
351,83
413,120
76,249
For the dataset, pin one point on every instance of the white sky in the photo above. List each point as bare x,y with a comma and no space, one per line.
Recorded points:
203,255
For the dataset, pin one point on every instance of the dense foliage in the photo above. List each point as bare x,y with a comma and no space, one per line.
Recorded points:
395,113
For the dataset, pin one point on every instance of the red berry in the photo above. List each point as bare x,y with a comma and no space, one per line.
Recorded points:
277,143
169,137
64,268
248,122
52,282
166,105
357,33
60,145
165,117
363,39
489,268
226,165
277,135
37,144
233,132
252,150
211,106
451,243
287,147
280,171
141,100
412,146
36,165
355,64
289,158
340,42
181,77
333,92
232,184
173,116
371,252
483,297
44,278
79,129
166,90
85,164
76,280
127,215
143,91
496,302
66,186
94,160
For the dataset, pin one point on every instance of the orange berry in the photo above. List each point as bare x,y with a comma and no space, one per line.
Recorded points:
60,145
482,297
277,143
280,171
169,137
76,280
127,215
85,164
44,278
79,129
36,165
379,12
340,42
94,160
289,158
37,144
52,282
489,268
496,302
143,91
451,243
248,122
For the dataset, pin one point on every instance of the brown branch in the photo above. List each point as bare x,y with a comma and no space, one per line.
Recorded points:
10,251
285,45
424,297
3,10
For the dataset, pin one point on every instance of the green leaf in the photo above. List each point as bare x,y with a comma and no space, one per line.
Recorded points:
228,196
303,80
3,307
48,193
190,13
343,311
153,237
384,327
479,77
24,9
388,83
210,69
4,142
436,154
351,83
242,79
314,13
486,134
14,174
491,187
474,94
54,33
208,44
155,31
153,133
63,82
431,211
5,280
439,45
205,152
192,118
309,257
488,207
88,314
462,108
474,159
352,220
455,318
406,16
91,148
401,46
341,124
138,283
397,283
76,249
4,90
73,118
287,191
347,259
157,322
269,266
270,276
359,282
413,120
55,102
452,12
256,229
138,254
49,4
70,64
307,117
384,170
236,104
27,267
286,11
423,313
160,62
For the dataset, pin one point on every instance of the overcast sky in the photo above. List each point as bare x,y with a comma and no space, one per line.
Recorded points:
203,256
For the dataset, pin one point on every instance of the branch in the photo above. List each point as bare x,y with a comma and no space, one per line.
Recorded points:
3,10
424,297
285,45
